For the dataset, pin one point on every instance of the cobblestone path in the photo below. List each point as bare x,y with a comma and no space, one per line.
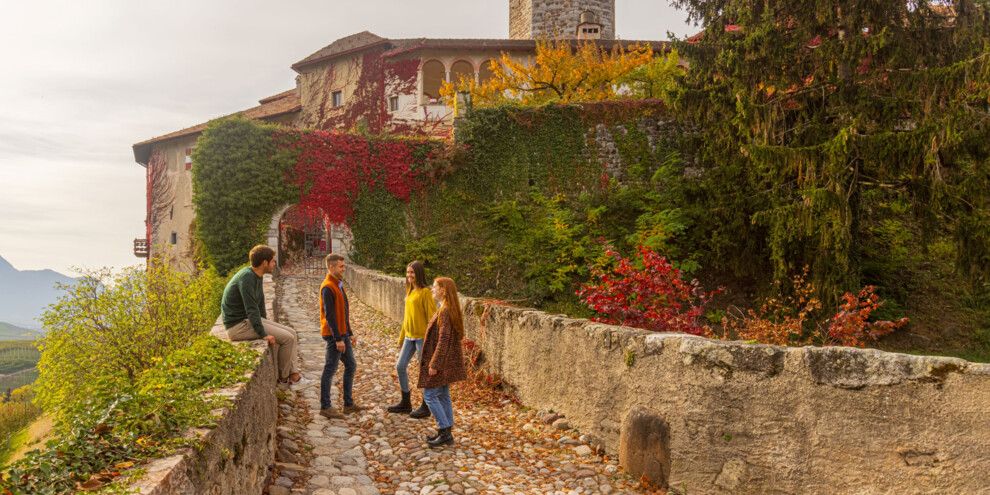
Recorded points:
499,447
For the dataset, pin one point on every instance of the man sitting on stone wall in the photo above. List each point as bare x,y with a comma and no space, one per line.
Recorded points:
243,314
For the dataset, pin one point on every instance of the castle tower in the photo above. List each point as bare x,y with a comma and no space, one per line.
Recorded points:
568,19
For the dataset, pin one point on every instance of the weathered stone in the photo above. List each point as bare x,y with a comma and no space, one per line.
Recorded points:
278,490
550,418
644,446
562,424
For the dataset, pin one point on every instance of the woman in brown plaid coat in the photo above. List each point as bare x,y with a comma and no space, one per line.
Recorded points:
443,359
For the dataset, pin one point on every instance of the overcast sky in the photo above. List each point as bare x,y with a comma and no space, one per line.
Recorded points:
81,81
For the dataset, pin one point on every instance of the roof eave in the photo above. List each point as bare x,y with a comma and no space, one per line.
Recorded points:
298,65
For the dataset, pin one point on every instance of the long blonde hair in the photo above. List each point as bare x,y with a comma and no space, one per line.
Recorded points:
451,304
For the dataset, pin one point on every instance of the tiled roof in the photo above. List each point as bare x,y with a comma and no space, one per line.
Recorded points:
346,44
273,106
407,45
366,39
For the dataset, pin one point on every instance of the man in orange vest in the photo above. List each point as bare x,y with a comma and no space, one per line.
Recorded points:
335,327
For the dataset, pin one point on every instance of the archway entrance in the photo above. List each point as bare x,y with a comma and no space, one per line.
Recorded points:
302,238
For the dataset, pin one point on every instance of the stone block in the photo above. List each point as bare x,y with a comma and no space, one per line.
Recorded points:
644,445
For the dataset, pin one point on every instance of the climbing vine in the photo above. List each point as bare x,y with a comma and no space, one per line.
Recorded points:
246,170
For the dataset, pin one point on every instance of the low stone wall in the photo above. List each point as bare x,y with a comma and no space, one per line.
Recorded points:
729,417
237,455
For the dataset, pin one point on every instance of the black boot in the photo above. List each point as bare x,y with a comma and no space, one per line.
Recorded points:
430,438
404,406
445,438
422,412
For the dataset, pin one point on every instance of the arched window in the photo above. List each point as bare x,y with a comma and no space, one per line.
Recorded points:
485,71
461,70
434,75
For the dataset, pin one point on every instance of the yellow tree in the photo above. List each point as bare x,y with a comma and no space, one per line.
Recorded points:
560,72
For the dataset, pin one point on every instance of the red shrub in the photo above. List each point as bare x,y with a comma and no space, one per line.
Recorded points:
653,296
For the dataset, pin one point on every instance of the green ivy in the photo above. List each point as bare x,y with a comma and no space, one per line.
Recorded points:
239,182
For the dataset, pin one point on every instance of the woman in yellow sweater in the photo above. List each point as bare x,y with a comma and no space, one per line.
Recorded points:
419,310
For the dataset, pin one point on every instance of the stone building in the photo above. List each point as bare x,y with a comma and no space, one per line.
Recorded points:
364,81
567,19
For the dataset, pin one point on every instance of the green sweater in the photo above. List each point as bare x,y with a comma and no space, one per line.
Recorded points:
244,299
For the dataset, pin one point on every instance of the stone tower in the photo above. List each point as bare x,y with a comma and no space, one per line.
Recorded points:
568,19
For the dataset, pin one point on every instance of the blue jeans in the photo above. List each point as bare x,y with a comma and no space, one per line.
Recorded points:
409,346
438,400
330,368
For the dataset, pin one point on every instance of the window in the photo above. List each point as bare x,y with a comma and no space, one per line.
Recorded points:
173,238
171,212
393,104
189,158
337,99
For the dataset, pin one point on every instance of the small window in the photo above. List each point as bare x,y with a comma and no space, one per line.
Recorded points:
337,99
393,104
188,158
171,213
174,238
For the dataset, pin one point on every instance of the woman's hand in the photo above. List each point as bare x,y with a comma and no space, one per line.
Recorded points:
433,372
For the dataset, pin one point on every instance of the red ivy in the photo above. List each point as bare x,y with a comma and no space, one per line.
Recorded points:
334,166
654,297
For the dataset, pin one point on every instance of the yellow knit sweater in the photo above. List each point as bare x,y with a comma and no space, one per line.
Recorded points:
419,309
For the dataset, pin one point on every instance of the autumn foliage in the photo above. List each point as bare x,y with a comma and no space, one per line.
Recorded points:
333,167
789,319
647,292
560,72
851,325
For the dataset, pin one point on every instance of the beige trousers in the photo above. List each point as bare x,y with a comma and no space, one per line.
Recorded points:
285,343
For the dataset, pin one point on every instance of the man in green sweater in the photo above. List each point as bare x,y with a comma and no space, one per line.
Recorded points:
243,313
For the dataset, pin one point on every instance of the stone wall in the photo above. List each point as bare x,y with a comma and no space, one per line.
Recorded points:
521,19
606,145
736,418
237,455
529,19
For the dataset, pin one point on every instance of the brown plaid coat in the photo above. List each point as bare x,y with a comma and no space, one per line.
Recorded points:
442,352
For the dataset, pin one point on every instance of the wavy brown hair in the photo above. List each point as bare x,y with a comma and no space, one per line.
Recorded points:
451,304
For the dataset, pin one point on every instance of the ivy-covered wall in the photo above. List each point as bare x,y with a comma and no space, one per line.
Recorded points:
527,195
524,199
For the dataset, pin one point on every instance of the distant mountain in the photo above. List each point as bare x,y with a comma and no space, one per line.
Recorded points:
14,332
24,295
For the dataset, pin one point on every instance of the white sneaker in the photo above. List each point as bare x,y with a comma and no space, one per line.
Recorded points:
301,383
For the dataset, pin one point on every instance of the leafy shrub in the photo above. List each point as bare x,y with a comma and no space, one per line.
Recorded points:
123,421
789,319
851,325
648,293
120,324
780,320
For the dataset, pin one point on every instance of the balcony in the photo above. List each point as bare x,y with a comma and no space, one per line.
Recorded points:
141,248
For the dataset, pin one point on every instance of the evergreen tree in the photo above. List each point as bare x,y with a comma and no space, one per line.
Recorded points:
815,119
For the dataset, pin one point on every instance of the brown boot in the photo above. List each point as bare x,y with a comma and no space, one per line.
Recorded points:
353,408
331,413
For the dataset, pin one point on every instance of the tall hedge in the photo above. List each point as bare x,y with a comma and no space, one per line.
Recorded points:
239,182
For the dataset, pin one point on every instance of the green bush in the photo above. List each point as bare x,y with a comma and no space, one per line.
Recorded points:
119,325
122,420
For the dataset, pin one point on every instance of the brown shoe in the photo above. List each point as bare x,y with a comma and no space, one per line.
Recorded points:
353,408
332,413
